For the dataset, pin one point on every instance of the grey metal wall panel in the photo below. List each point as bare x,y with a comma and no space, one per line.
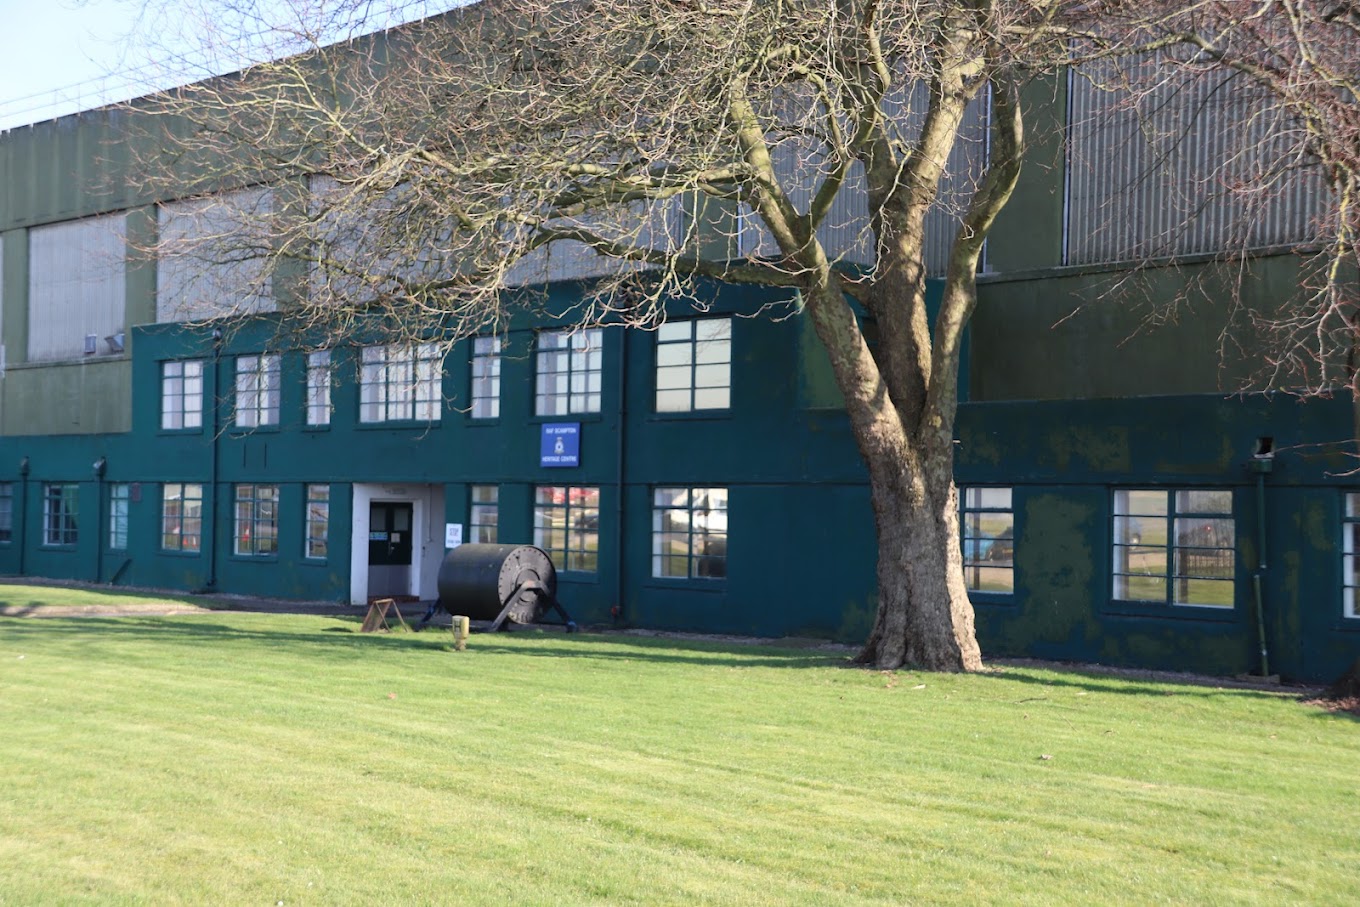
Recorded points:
213,253
1167,162
845,233
76,286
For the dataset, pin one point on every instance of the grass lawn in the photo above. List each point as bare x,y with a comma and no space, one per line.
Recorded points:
24,598
265,759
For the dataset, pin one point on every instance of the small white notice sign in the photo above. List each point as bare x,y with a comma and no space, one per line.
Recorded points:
453,535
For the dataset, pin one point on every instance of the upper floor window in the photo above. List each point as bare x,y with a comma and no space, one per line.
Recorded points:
486,377
567,526
1350,556
399,382
318,521
257,391
1175,547
181,516
569,369
689,532
6,511
694,365
987,536
120,499
182,394
484,514
257,520
319,387
60,513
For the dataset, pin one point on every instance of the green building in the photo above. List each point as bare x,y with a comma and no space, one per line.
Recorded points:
1120,503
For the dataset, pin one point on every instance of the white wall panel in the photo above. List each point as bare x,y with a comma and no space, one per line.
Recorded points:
75,285
213,254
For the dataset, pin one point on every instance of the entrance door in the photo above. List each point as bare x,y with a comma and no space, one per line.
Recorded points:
389,549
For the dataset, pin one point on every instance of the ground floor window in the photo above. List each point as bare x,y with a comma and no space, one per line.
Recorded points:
181,516
60,512
120,498
1350,556
318,520
6,511
987,536
1174,547
689,533
257,520
484,514
567,525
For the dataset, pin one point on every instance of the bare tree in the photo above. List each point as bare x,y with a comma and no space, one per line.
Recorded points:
422,179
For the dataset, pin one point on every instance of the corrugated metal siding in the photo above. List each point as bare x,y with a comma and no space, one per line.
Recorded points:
212,259
1159,172
75,285
845,233
657,225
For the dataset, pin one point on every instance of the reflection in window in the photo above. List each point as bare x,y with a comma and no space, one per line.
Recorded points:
319,387
317,524
120,498
6,511
257,391
182,394
689,533
568,372
400,383
567,526
257,520
484,516
987,535
486,377
694,365
181,516
1174,547
1350,556
60,513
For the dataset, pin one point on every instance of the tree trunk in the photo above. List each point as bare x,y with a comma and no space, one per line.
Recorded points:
925,618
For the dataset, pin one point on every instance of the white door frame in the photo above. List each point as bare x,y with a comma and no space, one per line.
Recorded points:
427,543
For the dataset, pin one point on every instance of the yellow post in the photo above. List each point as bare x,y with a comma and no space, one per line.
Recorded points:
460,632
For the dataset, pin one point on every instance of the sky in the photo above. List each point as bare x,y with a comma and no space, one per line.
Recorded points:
56,56
61,56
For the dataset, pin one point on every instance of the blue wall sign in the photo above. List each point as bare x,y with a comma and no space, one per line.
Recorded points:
560,444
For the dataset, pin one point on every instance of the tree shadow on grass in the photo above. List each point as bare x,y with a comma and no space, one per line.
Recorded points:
340,636
1094,681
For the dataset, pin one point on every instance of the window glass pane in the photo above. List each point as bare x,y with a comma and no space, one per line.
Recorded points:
675,330
1204,502
674,354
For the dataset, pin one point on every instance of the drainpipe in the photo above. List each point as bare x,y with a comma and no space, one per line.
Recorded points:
1261,464
211,498
620,450
99,466
23,512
